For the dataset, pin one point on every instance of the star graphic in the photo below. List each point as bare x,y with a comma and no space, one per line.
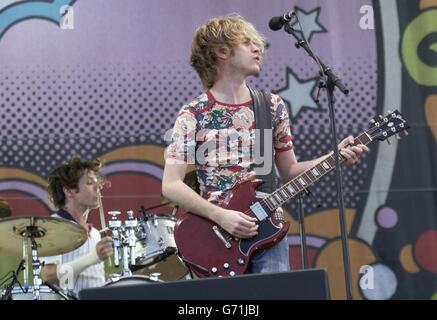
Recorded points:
309,22
298,93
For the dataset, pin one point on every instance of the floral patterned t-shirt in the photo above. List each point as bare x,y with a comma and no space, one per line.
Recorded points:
218,138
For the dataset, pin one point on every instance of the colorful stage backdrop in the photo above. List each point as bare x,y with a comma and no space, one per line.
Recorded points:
107,78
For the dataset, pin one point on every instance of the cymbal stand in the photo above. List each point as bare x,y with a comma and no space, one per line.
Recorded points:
124,240
115,226
26,264
131,225
36,267
125,257
33,233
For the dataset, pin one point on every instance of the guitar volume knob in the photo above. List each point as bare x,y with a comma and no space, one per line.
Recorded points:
214,270
240,261
226,265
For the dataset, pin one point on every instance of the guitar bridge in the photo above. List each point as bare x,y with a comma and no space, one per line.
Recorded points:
279,215
221,237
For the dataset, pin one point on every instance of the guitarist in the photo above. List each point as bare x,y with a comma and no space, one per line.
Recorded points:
225,51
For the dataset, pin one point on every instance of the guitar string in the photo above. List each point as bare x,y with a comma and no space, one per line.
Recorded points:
264,201
228,236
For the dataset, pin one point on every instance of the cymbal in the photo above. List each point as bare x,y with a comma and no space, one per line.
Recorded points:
191,181
54,236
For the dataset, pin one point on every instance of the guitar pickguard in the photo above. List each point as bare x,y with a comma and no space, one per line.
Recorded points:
266,230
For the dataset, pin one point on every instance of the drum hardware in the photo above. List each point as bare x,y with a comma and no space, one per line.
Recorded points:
131,225
145,214
114,277
146,246
174,211
115,226
124,240
25,257
7,294
48,237
154,276
36,268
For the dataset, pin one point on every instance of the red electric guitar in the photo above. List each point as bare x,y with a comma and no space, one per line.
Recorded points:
211,251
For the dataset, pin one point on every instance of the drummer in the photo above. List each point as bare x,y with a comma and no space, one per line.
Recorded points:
73,188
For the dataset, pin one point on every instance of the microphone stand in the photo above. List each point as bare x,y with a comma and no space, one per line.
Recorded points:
331,81
303,244
8,292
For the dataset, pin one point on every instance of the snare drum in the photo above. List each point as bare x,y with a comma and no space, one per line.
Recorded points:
156,250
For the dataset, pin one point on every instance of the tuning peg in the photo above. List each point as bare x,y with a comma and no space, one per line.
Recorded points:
398,137
372,122
406,133
388,141
380,117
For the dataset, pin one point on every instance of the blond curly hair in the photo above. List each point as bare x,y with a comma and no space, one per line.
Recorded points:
218,33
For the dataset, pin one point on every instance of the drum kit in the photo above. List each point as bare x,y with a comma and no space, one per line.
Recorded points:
144,248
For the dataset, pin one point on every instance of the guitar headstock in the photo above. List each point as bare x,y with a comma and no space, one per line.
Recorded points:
382,128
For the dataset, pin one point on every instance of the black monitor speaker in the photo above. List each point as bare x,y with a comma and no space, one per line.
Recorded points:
311,284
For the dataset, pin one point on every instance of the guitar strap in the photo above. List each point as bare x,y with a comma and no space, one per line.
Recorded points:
263,120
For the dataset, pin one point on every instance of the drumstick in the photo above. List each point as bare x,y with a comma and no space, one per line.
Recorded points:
103,231
102,218
85,215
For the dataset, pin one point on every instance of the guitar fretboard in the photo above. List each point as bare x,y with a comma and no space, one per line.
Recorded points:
307,178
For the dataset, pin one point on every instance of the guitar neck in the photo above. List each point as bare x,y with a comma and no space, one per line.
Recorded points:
307,178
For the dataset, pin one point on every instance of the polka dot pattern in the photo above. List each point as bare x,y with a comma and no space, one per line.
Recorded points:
50,112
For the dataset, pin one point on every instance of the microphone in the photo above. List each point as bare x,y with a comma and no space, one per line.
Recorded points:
276,23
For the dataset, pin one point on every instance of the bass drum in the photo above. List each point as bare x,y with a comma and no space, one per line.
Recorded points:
132,280
156,251
168,269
